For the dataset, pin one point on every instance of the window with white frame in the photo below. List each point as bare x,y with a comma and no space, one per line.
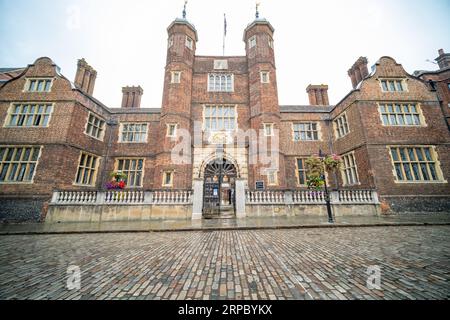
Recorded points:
349,170
133,168
220,82
172,130
167,179
393,85
272,177
265,76
415,163
252,42
170,42
270,42
95,127
307,131
218,118
268,129
38,85
189,42
176,77
400,114
133,132
18,163
87,169
29,115
341,126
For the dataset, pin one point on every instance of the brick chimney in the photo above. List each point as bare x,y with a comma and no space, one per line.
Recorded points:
132,97
443,60
318,95
358,71
85,77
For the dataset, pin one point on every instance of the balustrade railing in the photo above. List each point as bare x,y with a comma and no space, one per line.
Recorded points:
172,197
307,196
123,197
311,197
265,197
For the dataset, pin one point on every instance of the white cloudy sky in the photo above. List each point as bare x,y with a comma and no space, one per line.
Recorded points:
315,41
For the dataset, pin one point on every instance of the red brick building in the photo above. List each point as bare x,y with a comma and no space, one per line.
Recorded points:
391,129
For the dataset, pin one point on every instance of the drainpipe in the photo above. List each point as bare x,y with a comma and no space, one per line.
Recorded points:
111,124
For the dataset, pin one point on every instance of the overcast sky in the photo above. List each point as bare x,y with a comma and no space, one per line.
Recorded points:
315,41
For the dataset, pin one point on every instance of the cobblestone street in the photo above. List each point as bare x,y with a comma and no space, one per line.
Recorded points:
258,264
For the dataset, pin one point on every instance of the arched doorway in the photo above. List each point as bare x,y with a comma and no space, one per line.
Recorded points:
219,198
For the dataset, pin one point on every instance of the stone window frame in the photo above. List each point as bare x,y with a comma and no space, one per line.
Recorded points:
164,176
121,131
236,116
270,125
252,42
402,114
434,159
28,82
304,170
11,112
189,43
339,124
394,80
175,77
101,127
93,170
318,130
271,42
127,172
349,167
265,74
20,162
170,42
168,129
220,75
271,173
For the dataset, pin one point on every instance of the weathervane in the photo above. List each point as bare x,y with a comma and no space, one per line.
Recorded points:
257,9
184,9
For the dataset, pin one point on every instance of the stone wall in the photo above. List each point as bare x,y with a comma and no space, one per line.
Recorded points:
311,210
108,213
21,210
402,204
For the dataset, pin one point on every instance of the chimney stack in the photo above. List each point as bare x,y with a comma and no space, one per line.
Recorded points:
132,97
358,71
318,95
85,77
443,60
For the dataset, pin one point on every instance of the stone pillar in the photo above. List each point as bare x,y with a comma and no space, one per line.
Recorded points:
240,199
197,206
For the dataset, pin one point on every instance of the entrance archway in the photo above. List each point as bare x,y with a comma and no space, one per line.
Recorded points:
219,197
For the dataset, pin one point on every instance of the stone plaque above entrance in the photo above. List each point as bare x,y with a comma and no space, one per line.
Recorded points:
220,64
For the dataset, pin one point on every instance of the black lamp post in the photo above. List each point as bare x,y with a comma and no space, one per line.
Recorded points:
327,194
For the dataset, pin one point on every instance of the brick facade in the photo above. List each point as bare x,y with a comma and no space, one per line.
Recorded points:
256,104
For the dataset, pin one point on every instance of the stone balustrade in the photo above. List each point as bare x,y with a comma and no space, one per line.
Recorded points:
311,197
308,197
265,197
123,197
172,197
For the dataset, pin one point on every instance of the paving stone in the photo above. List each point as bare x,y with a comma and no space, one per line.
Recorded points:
238,264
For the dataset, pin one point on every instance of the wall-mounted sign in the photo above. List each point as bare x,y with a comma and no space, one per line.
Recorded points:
260,185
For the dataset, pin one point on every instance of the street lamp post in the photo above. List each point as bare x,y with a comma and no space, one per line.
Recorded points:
327,194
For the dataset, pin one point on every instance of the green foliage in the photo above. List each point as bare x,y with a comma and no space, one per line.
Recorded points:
316,168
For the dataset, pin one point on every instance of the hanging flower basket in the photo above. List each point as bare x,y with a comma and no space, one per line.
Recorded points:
117,182
316,168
